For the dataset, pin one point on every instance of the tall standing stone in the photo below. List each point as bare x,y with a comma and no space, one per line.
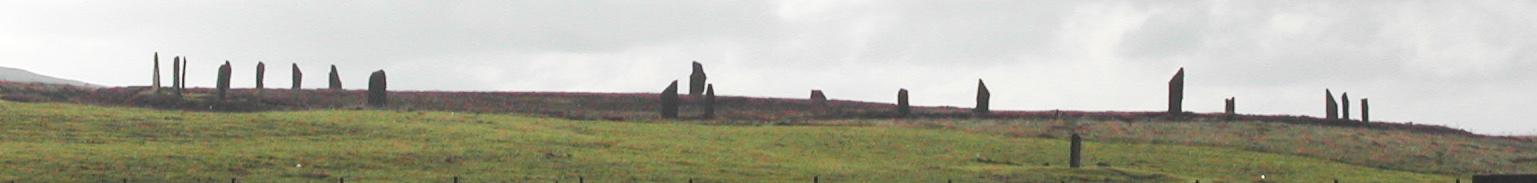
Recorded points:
902,106
1365,116
1229,108
818,99
378,94
1345,105
185,65
298,77
1332,111
176,75
982,98
223,82
696,81
1075,151
336,79
1177,92
261,72
709,101
670,101
155,86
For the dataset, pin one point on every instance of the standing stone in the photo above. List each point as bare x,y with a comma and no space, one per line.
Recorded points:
696,81
378,95
155,86
1177,92
1229,108
336,79
298,77
982,98
1345,105
818,99
1332,111
176,75
261,71
223,82
670,101
902,106
1365,117
709,101
184,67
1075,151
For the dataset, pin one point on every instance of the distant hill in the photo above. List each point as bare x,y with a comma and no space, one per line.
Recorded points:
24,76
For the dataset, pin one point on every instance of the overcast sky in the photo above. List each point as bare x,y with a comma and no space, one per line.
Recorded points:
1464,64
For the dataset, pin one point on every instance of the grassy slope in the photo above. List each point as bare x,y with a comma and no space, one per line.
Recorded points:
73,143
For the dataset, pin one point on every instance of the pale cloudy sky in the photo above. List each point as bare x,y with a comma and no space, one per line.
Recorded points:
1465,64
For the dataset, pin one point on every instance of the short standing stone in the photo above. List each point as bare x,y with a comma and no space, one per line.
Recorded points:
175,73
298,77
709,101
185,65
1332,108
378,92
1365,115
156,85
818,99
1345,105
696,81
982,98
1229,108
902,106
336,79
670,101
223,82
1177,92
261,75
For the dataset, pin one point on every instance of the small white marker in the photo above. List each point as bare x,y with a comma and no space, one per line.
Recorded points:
298,165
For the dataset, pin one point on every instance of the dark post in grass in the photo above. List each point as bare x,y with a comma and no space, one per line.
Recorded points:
223,82
1229,108
298,76
1177,92
902,106
670,101
378,97
1332,111
1345,105
818,99
261,72
336,79
709,101
1365,117
982,99
696,81
155,86
1075,151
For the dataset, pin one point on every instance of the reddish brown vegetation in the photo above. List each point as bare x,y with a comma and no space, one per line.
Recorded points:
598,106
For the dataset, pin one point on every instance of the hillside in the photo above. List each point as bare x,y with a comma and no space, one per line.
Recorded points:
23,76
45,142
1383,145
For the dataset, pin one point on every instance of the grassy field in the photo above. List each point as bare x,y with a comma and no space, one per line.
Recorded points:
44,142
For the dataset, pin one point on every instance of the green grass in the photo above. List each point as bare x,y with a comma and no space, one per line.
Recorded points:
74,143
